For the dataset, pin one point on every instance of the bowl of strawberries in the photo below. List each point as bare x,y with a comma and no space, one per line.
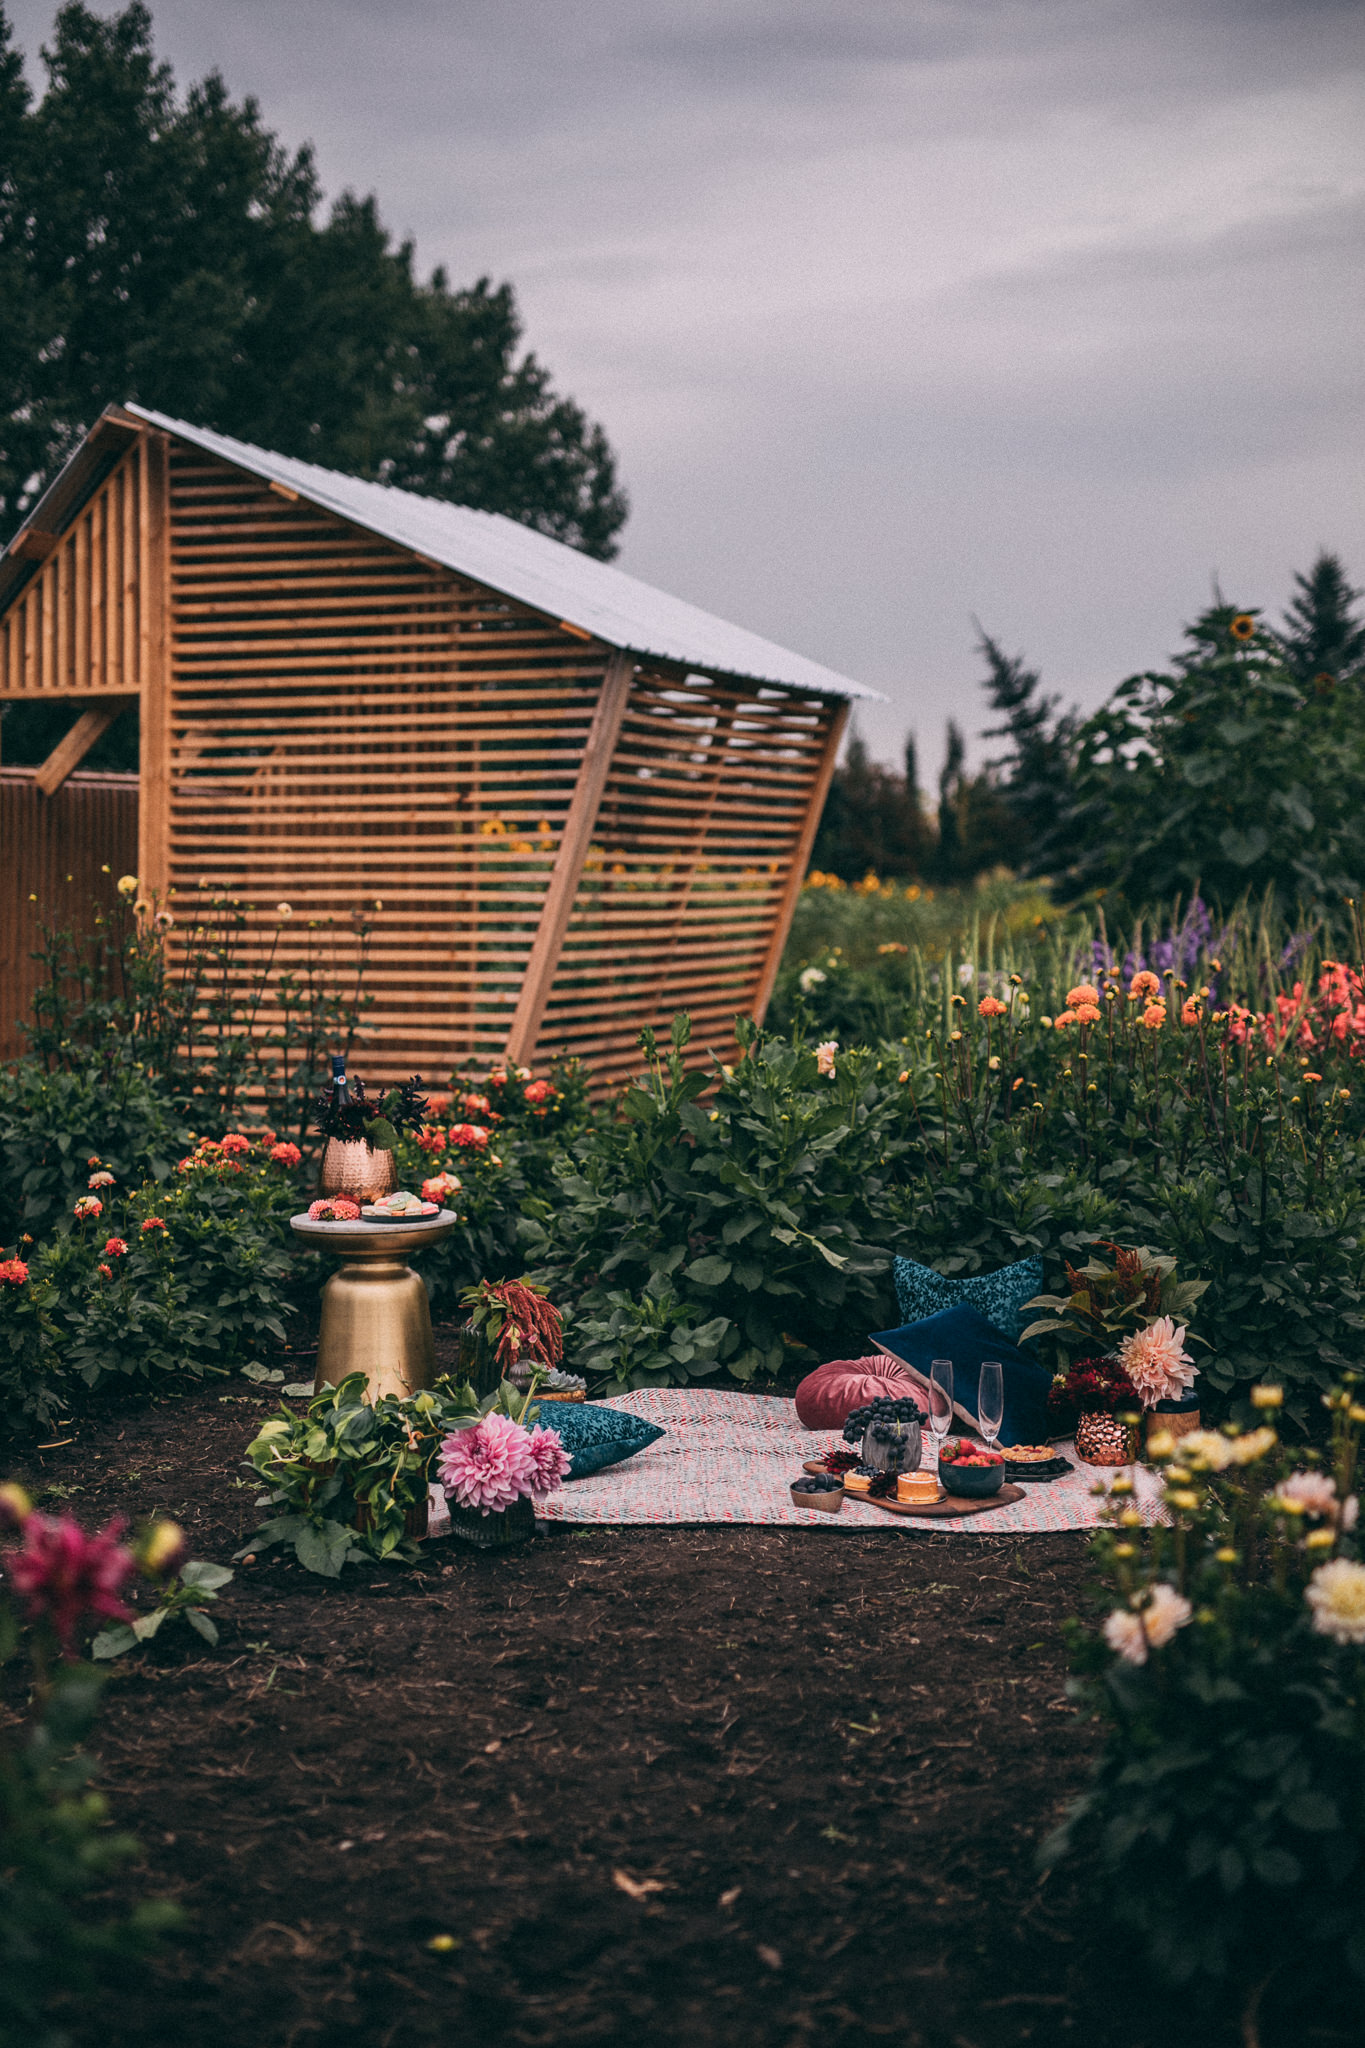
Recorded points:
969,1469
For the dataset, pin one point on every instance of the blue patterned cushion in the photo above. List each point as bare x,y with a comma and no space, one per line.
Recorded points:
596,1437
1000,1296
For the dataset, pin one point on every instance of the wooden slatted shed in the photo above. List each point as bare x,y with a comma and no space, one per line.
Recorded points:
580,803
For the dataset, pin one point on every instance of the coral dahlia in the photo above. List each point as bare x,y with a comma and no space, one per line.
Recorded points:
1156,1361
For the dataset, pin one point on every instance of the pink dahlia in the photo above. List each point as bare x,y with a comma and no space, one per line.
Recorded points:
549,1459
1310,1493
115,1247
13,1270
338,1210
236,1142
1156,1361
469,1136
490,1466
62,1575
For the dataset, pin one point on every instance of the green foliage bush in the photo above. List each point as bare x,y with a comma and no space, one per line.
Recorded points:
52,1124
1226,1817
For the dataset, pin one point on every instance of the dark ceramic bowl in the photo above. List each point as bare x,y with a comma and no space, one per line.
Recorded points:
971,1482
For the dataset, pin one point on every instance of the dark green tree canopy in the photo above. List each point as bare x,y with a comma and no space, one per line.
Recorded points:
166,248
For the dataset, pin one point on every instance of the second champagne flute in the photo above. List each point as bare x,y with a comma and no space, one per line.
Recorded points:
990,1401
939,1395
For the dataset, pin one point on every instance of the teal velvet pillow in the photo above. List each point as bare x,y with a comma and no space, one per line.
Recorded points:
596,1437
1000,1296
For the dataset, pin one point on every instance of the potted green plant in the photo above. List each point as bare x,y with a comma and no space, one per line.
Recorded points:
348,1478
510,1324
1129,1321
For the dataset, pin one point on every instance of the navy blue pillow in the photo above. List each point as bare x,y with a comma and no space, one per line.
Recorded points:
595,1437
964,1335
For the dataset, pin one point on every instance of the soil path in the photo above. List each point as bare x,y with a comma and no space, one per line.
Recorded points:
700,1788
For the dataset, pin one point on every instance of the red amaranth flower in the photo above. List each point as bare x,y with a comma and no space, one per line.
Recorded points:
62,1575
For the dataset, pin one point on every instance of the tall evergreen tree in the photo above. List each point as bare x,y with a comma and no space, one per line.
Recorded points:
949,859
1034,785
1322,637
168,249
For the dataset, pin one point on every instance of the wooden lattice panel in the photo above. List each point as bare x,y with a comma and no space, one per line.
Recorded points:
352,726
83,626
686,888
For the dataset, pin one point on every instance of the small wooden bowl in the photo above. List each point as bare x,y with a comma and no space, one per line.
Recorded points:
826,1500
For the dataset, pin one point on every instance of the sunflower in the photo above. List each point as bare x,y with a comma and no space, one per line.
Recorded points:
1243,627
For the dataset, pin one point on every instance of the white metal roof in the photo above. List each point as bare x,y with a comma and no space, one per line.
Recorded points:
529,566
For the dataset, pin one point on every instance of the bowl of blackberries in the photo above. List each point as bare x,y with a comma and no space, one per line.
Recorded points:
887,1432
822,1490
969,1470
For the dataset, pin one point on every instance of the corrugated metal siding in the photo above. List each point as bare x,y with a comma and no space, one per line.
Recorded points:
535,570
53,851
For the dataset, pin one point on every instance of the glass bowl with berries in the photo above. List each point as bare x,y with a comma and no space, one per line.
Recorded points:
969,1470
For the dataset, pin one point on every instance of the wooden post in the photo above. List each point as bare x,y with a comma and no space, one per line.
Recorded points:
573,852
153,647
800,858
72,750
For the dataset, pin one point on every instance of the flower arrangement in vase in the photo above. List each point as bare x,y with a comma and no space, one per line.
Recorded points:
1124,1316
495,1472
361,1133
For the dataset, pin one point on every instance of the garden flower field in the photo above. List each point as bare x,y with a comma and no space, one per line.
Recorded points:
724,1783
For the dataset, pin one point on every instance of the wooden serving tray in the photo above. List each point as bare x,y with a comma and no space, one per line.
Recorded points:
951,1505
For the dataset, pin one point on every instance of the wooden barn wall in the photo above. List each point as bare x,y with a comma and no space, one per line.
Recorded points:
59,857
82,626
367,738
686,886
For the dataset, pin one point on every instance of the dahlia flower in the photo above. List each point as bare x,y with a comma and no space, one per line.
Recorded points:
1206,1449
1247,1449
286,1155
115,1247
490,1466
14,1271
1132,1634
152,1226
62,1575
1336,1594
473,1136
1309,1493
340,1209
88,1205
1154,1016
1085,992
1156,1361
550,1461
1088,1013
1144,984
536,1092
235,1142
102,1179
440,1185
991,1006
824,1058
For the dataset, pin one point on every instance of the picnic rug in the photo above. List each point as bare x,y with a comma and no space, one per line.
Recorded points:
731,1457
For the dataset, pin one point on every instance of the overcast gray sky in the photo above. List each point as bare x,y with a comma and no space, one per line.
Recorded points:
896,311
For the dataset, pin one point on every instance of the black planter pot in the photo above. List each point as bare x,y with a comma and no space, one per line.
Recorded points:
504,1531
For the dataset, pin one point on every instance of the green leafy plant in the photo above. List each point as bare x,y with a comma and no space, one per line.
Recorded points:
1226,1818
348,1472
1109,1302
184,1595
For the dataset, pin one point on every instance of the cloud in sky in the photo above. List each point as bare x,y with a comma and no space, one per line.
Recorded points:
897,311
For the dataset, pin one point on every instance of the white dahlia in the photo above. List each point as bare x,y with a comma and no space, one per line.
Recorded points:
1336,1594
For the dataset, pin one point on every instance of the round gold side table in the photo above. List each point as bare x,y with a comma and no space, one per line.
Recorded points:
376,1318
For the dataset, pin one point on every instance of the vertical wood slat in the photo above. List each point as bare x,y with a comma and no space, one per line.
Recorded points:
573,852
87,831
153,574
767,980
76,629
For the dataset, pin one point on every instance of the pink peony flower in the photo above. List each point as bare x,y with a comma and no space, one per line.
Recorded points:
88,1205
62,1575
114,1247
286,1155
1156,1361
14,1271
550,1461
340,1209
490,1466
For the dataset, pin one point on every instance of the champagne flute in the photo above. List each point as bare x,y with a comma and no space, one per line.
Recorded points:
990,1401
939,1398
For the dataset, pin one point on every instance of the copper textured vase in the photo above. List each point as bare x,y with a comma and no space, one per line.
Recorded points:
355,1168
1103,1440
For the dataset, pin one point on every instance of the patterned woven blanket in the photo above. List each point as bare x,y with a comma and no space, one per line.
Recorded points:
731,1457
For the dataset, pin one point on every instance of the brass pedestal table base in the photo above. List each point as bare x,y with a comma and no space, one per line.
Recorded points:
376,1317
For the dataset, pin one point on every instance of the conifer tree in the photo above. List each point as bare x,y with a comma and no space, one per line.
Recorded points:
1322,637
